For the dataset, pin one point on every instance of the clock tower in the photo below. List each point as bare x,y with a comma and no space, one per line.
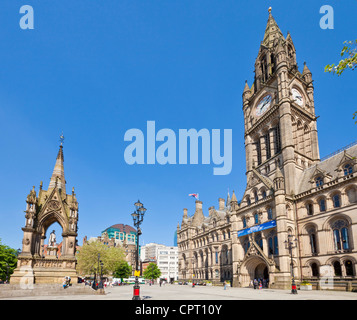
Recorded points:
279,112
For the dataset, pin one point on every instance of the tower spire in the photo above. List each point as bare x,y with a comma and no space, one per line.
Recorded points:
272,31
57,178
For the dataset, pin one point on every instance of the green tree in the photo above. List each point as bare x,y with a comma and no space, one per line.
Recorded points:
8,261
349,52
152,271
87,258
123,270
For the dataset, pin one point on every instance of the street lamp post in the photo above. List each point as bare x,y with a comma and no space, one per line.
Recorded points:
290,245
138,217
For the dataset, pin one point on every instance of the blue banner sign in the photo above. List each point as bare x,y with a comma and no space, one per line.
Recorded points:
260,227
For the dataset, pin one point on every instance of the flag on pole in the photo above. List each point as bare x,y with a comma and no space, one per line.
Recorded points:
195,195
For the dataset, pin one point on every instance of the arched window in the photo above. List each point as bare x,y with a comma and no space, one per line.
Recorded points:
248,201
319,181
347,169
310,209
349,268
256,196
340,235
313,242
273,244
314,270
322,205
337,269
336,201
264,194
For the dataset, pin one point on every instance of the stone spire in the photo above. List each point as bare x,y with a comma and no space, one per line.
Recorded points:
228,202
272,31
57,179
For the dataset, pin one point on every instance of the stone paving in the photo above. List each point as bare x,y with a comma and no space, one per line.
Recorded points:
186,292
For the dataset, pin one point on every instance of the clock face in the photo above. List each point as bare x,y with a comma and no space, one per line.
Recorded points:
264,105
297,97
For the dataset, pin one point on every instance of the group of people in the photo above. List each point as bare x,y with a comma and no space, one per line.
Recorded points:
259,283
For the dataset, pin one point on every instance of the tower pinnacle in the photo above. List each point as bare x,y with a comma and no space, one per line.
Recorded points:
57,178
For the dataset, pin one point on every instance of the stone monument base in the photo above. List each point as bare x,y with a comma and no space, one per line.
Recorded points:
32,270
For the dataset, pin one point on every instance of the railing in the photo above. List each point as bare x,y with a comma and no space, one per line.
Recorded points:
338,151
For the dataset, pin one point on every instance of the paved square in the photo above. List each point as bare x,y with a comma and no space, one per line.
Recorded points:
186,292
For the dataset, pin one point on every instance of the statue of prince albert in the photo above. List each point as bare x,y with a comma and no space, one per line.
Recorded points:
52,239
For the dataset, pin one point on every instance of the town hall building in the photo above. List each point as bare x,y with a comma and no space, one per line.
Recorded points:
298,214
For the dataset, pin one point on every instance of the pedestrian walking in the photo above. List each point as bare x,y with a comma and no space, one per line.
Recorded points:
225,285
255,283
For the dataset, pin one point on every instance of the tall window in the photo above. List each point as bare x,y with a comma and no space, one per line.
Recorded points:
313,244
270,246
270,213
264,194
259,240
310,209
267,145
273,245
256,218
337,268
244,222
259,153
347,169
340,235
276,248
322,204
248,201
349,268
336,201
277,141
256,196
246,245
315,270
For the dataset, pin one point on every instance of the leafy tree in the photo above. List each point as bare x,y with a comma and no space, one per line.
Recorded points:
87,258
349,52
152,271
8,260
123,270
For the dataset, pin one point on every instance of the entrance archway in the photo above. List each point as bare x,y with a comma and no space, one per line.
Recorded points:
253,268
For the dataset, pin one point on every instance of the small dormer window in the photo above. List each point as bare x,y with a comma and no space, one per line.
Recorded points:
347,169
319,181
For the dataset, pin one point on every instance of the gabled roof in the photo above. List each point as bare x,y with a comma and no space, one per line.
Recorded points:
328,167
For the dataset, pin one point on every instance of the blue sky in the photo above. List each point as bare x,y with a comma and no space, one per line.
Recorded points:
95,69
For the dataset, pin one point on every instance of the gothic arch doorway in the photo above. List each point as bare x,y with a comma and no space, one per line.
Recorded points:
253,268
261,272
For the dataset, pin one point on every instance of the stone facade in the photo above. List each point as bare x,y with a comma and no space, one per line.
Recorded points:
291,194
35,264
